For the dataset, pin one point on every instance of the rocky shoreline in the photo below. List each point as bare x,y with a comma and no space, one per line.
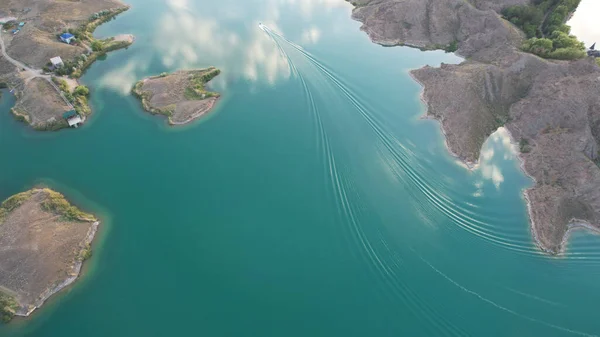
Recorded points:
550,108
470,165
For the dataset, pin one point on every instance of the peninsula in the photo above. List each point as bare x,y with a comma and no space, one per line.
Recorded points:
181,96
44,242
46,47
528,75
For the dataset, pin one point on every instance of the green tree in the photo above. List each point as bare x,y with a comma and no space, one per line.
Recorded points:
562,40
526,17
81,90
8,306
567,54
97,45
542,47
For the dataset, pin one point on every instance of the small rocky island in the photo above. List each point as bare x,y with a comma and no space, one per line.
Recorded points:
522,71
181,96
44,242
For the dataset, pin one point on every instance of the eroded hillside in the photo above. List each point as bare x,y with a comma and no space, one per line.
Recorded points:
551,108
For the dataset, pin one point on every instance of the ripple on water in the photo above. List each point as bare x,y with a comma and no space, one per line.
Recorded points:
433,195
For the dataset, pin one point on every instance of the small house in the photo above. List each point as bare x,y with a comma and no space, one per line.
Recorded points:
57,62
67,38
73,118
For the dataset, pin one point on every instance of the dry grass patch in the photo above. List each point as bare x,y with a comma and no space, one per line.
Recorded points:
44,240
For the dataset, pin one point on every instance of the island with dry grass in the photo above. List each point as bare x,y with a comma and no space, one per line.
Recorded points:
46,40
181,96
44,242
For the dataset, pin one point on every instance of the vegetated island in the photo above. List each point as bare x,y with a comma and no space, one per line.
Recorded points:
513,77
46,47
44,242
181,96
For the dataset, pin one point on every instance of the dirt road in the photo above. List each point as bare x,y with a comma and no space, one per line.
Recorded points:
17,64
32,73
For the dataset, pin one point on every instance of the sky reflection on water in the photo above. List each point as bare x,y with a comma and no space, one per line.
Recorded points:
183,39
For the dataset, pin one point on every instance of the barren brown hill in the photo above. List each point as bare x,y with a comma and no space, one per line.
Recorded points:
44,241
551,108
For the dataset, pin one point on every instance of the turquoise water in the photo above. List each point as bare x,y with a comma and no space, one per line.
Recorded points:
312,202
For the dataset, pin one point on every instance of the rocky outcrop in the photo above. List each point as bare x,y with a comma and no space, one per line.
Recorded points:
551,108
559,121
434,24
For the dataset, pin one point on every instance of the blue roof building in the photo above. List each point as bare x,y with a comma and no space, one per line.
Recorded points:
67,37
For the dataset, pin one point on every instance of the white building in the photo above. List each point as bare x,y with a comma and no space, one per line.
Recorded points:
57,62
75,121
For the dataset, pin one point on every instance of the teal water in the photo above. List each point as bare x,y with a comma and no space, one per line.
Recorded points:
312,202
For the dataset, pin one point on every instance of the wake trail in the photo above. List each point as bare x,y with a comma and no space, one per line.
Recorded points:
458,214
345,195
498,306
339,183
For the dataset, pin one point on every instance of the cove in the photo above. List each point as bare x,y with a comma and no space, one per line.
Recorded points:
313,201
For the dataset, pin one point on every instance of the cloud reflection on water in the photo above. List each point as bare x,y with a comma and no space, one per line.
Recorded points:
498,147
182,37
225,35
194,39
123,78
311,35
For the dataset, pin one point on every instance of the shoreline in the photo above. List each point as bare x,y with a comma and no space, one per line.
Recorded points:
196,115
573,224
374,24
24,112
525,193
70,280
471,166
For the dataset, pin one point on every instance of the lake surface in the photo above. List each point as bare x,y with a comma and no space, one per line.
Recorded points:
312,202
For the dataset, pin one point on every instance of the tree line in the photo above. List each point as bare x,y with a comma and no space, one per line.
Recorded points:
544,24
